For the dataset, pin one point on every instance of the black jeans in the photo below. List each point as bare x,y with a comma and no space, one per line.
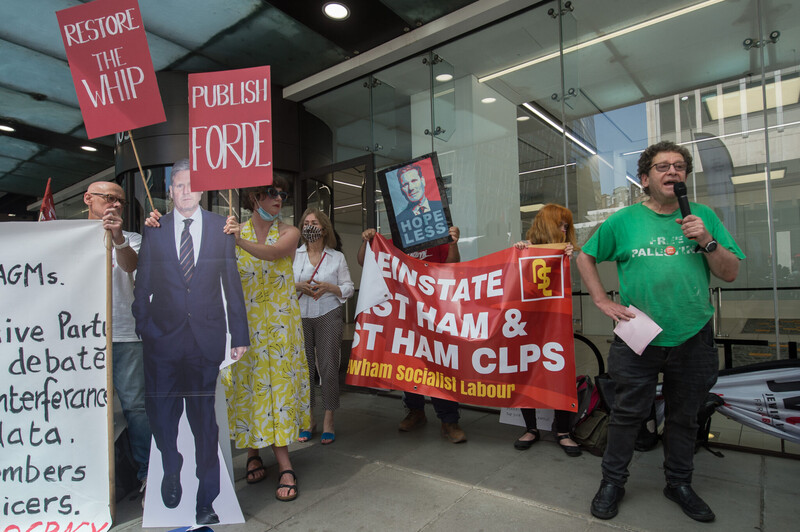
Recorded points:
561,419
690,370
446,411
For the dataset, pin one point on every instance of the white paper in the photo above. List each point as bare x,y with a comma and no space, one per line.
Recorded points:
513,416
637,332
373,290
53,298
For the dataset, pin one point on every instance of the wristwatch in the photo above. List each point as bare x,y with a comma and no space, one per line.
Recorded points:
710,247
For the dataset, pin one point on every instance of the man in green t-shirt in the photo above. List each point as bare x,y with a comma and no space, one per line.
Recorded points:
664,262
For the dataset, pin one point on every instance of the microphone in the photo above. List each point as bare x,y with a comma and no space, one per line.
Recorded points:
680,193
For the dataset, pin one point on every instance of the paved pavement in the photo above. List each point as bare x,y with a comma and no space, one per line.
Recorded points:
376,478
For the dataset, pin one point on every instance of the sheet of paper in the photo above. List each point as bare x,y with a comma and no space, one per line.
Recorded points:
637,332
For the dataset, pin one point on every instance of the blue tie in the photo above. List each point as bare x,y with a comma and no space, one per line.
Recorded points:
187,251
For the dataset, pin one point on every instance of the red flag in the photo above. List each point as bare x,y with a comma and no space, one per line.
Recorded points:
47,211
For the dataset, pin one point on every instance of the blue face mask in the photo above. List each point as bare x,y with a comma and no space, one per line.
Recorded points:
267,217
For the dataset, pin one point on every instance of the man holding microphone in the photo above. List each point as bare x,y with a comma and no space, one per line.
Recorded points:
664,261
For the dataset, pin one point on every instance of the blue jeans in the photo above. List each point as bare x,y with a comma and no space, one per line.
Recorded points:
446,411
129,386
690,370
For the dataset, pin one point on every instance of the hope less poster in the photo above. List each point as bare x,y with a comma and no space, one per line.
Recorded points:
416,204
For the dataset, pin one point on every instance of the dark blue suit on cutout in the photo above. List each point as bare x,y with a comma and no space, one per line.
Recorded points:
183,329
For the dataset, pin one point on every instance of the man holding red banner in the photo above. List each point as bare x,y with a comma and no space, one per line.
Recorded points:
446,411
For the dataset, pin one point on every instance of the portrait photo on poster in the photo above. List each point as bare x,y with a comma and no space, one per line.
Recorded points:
416,203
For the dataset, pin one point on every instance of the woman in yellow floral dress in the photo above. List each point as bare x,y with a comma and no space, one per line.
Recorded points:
267,390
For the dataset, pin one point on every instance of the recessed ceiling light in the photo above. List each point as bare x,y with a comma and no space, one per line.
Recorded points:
7,128
336,10
444,77
684,98
523,118
489,100
88,148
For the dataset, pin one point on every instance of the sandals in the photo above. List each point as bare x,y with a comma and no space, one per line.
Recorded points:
570,450
524,445
254,472
292,487
304,436
329,436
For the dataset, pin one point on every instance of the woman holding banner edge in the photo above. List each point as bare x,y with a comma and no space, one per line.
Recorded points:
323,284
552,225
267,391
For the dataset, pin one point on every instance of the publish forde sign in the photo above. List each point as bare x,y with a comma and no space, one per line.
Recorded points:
230,129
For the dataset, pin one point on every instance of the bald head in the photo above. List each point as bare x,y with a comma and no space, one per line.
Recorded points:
97,198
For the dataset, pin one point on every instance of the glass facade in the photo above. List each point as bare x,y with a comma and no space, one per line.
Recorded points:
555,104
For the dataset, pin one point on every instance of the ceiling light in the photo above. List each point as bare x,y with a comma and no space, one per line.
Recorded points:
546,169
736,103
634,181
346,206
758,177
523,118
488,99
684,98
737,134
602,38
336,10
558,128
532,208
9,129
347,184
88,148
444,77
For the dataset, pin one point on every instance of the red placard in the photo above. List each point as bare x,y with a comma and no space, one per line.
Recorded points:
495,331
230,129
111,66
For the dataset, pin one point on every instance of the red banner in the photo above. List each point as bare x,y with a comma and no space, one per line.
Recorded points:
47,211
495,331
111,66
230,124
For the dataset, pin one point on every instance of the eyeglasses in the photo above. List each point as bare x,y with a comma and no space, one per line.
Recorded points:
273,193
110,198
680,166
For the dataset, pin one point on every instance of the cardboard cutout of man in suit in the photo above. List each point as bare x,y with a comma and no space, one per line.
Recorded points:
185,270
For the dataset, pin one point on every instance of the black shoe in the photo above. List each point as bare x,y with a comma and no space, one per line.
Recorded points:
691,504
171,490
524,445
206,516
604,504
571,450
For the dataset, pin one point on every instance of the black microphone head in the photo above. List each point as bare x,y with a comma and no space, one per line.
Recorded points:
679,189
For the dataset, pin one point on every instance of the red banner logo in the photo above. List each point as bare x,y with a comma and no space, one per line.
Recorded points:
541,277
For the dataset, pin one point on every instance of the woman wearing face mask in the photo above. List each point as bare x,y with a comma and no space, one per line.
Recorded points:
267,390
323,284
552,225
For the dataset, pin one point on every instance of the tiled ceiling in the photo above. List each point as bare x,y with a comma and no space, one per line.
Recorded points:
37,96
